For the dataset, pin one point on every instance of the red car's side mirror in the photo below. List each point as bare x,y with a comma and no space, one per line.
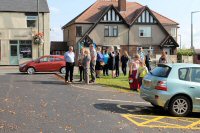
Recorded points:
37,61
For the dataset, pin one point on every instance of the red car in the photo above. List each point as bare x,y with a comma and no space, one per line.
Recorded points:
50,63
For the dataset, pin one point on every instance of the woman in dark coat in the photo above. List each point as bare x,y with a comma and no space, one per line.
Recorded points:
111,61
124,60
117,60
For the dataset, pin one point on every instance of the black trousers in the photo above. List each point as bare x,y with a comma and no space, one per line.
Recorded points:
81,70
69,70
105,70
117,69
124,66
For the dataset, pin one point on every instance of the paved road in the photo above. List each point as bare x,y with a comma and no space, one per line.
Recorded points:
42,103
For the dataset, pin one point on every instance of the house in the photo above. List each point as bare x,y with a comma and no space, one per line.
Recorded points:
197,56
18,30
58,48
125,25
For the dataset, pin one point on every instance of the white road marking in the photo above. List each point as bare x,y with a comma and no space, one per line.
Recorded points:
122,101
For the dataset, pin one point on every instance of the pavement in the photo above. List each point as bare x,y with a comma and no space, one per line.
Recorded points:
42,103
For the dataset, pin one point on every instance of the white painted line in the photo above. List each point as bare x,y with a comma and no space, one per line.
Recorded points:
197,98
122,101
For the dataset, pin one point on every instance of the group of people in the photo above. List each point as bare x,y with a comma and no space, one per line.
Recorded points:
93,61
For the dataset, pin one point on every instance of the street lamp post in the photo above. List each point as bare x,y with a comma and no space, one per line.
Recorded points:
38,3
192,45
180,40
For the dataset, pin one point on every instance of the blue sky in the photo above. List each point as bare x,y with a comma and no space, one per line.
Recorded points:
62,11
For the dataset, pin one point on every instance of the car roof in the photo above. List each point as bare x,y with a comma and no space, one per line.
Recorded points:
179,65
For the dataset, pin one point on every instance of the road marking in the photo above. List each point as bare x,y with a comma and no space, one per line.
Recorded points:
151,121
122,101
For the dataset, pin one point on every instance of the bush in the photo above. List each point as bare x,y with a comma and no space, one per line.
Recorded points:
185,52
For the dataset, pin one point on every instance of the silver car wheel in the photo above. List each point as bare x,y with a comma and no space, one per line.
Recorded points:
180,106
31,70
63,70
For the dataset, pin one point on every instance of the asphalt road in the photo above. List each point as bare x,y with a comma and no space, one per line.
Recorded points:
42,103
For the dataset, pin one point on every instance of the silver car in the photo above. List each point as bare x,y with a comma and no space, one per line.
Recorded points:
175,87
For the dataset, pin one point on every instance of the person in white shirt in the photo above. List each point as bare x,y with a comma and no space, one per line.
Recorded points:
69,58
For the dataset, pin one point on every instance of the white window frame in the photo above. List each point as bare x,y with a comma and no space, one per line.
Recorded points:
147,31
173,32
31,18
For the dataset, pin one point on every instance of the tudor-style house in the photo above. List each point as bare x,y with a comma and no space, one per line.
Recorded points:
125,25
18,30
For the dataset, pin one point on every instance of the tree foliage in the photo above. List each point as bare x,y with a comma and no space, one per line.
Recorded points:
185,52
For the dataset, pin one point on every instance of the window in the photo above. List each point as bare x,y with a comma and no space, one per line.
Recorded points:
195,75
161,71
79,32
182,73
44,59
25,49
173,32
198,57
144,31
31,21
111,31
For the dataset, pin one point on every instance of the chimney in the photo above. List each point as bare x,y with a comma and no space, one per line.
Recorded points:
122,5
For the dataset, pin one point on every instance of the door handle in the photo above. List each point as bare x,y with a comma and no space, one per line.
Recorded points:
192,87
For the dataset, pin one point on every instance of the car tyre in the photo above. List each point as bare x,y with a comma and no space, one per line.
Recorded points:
63,70
180,106
30,70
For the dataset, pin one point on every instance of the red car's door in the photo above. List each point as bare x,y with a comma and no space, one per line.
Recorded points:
43,64
58,63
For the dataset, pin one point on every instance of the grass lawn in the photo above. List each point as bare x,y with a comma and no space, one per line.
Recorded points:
117,83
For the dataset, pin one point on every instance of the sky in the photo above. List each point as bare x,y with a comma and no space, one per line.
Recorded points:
62,11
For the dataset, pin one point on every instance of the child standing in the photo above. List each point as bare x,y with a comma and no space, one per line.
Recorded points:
133,81
142,72
86,64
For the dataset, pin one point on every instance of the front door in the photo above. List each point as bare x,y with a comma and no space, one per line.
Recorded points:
14,54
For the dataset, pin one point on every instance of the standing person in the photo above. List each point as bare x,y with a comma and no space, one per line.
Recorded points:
105,59
69,58
80,64
142,72
148,61
133,78
124,61
111,61
117,61
141,53
99,62
93,55
86,65
163,58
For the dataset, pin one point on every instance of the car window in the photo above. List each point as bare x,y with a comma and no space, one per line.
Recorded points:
182,73
161,71
44,59
51,59
57,59
195,75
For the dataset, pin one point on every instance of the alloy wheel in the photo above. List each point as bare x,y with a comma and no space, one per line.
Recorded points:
31,70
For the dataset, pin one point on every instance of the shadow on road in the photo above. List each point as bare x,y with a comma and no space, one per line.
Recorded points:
136,109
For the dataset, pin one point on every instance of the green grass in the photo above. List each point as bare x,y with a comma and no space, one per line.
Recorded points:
117,83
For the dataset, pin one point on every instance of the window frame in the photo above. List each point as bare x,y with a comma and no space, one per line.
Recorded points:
81,30
25,44
111,31
31,18
147,31
186,76
173,32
